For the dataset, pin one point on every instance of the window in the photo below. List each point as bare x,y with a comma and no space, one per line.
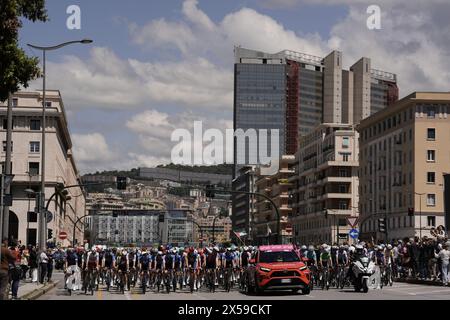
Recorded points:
35,124
430,110
15,102
33,168
4,146
431,221
431,134
34,146
342,188
345,157
431,177
343,205
345,142
431,199
48,104
431,155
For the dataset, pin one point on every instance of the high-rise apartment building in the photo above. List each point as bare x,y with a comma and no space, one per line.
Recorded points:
295,92
325,184
404,156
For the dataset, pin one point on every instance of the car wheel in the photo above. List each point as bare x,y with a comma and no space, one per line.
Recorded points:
306,290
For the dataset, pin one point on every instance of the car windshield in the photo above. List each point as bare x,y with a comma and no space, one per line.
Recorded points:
279,256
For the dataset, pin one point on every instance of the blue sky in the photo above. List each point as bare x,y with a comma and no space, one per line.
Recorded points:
156,66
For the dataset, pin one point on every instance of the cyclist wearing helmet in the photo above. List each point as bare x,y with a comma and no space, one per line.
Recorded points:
341,256
389,255
311,256
325,257
334,251
159,262
303,251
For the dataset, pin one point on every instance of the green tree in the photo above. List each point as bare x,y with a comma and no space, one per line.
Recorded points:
16,68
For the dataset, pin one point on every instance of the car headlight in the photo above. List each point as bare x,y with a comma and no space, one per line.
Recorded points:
264,269
303,268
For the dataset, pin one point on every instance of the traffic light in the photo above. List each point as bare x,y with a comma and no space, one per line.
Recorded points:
210,191
382,225
411,212
59,187
121,183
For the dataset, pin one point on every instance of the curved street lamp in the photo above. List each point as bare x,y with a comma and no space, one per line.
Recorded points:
42,218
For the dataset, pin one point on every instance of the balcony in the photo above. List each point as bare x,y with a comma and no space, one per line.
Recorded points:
27,178
336,196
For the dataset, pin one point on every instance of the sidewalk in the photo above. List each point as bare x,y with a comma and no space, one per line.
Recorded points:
419,281
32,291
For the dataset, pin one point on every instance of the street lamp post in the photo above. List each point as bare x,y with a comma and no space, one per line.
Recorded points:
420,212
42,216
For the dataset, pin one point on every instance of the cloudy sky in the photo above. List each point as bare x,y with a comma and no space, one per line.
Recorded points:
156,66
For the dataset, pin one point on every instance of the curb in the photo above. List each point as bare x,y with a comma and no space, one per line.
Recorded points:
33,295
424,282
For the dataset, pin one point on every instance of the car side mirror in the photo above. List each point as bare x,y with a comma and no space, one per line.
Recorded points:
252,261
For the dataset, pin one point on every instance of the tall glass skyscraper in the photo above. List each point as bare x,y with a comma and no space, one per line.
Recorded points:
295,92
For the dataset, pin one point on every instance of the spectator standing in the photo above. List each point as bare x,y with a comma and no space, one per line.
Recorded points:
24,262
15,272
43,264
33,264
444,255
7,259
50,265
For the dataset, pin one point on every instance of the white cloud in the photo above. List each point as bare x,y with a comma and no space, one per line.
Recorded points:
107,81
198,78
91,151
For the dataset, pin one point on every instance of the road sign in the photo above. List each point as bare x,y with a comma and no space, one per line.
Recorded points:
63,235
352,221
353,233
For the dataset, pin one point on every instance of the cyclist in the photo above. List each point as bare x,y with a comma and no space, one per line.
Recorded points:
326,262
192,263
342,256
144,266
169,262
303,251
228,263
91,267
108,265
211,265
122,268
159,267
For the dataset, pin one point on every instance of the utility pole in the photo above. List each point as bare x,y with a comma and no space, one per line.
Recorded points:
7,165
42,221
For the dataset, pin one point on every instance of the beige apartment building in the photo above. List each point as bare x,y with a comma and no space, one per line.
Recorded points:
276,187
404,153
325,184
26,167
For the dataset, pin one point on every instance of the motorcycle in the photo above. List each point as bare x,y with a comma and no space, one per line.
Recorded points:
362,269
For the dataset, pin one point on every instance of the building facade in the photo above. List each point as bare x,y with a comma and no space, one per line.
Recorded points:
324,188
276,187
404,155
295,92
60,167
141,227
243,205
